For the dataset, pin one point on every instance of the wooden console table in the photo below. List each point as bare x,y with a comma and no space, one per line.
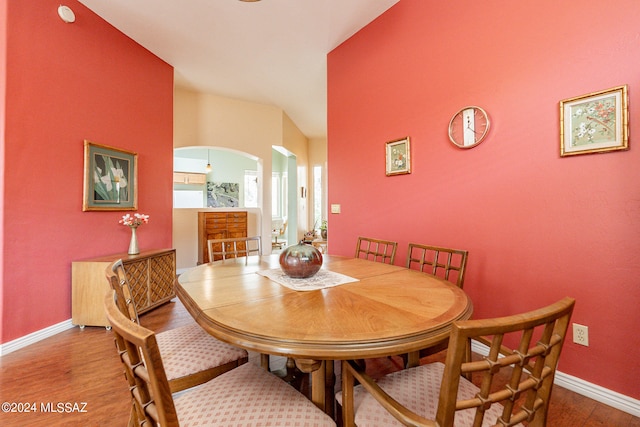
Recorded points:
151,275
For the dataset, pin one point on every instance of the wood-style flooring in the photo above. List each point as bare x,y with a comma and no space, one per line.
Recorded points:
77,374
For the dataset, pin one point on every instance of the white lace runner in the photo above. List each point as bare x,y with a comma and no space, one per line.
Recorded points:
322,279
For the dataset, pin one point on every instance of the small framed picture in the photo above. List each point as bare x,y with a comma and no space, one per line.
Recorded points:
110,179
398,157
595,123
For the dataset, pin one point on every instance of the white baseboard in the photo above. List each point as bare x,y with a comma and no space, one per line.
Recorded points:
34,337
584,388
599,394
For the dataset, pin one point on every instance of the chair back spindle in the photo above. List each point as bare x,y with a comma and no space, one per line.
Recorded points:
138,351
449,264
376,250
235,247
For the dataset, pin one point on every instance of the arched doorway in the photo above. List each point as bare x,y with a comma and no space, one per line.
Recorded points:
236,180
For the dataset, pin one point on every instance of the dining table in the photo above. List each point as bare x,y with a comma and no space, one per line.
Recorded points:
366,310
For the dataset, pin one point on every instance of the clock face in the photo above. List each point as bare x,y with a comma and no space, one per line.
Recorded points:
468,127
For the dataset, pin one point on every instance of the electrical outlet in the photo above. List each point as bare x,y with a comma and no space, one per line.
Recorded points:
581,334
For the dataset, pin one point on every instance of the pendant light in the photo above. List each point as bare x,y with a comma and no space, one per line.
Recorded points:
208,168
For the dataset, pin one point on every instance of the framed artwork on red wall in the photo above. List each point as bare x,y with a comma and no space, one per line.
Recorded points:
595,123
398,157
110,178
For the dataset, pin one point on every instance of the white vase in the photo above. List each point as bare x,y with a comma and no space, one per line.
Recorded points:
133,245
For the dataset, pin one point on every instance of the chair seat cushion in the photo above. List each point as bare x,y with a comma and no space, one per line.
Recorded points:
190,349
247,396
417,389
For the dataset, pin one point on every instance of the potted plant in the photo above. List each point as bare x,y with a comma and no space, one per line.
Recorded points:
323,229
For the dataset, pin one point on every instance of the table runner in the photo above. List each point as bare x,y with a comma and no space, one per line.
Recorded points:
322,279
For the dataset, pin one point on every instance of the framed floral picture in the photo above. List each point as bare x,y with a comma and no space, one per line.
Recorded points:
398,157
110,178
595,123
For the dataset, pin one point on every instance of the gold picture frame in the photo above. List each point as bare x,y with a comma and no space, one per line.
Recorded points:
595,123
398,157
110,179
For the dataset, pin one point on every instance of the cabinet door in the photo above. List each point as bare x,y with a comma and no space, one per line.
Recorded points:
217,247
180,178
197,178
138,277
161,278
189,178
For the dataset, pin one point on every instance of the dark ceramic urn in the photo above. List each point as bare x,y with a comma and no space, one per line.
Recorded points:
300,261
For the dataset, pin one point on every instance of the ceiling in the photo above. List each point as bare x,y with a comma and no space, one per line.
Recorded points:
270,52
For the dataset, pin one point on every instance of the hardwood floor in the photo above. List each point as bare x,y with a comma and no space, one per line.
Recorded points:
79,369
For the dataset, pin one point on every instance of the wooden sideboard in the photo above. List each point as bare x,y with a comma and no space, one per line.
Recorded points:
151,275
219,225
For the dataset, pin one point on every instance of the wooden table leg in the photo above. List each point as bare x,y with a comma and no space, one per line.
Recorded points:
318,383
264,361
329,395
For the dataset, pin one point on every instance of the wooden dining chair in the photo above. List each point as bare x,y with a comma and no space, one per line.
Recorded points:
449,264
278,233
408,397
235,247
376,250
191,355
242,396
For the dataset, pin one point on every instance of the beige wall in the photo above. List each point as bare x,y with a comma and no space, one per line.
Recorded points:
215,121
295,141
318,157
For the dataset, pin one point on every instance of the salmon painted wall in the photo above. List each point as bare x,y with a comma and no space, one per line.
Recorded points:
3,85
537,226
67,83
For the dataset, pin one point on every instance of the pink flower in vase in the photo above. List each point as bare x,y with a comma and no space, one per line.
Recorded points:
134,220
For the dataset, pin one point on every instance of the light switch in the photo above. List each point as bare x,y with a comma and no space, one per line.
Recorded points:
335,209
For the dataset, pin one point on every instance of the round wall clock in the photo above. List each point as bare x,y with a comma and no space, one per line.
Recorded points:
468,127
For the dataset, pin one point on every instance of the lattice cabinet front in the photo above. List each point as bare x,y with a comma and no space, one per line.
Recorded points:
162,275
151,275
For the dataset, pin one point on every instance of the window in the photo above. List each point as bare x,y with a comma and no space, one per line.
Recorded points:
284,205
250,189
276,196
317,195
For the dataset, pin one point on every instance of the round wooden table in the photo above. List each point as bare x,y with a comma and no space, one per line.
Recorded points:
390,310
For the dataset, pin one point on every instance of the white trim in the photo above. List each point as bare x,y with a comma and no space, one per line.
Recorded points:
584,388
599,394
34,337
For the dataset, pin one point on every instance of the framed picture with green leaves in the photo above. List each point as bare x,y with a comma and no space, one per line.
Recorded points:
595,123
110,178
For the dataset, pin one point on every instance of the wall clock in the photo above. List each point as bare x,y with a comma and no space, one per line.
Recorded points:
468,127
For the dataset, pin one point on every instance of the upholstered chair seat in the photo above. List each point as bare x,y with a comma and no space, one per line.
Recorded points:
188,349
418,390
247,396
191,356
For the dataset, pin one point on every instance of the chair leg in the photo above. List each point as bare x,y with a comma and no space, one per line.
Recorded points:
264,361
411,360
468,359
133,417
